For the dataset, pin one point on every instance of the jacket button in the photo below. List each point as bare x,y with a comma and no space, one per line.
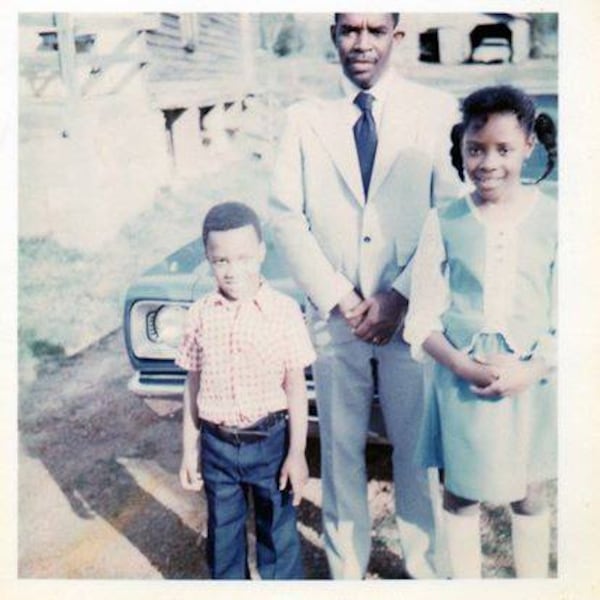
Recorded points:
366,239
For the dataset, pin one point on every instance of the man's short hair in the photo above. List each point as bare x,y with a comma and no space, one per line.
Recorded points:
395,17
230,215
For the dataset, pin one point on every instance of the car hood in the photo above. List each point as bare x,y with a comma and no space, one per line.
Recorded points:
185,275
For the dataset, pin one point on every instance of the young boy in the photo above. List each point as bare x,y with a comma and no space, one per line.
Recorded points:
245,348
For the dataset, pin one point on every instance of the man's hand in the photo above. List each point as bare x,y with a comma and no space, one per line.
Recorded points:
295,472
381,316
348,307
189,476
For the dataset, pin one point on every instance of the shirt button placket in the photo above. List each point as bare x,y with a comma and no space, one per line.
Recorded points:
234,353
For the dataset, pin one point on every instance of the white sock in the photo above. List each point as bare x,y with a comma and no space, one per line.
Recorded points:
531,544
464,545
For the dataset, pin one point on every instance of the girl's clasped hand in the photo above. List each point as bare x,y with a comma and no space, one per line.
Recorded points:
499,375
510,375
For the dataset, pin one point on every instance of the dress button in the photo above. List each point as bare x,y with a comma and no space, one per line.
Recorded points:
366,239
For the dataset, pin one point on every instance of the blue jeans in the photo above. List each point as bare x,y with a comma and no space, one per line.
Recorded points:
230,472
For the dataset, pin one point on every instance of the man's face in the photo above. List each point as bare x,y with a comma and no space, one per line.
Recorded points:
364,43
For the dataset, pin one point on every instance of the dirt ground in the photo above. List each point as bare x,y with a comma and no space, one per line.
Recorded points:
99,496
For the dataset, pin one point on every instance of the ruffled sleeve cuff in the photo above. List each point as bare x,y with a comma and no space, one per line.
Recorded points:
547,350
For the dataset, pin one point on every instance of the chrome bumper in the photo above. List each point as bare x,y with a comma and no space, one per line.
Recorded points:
142,384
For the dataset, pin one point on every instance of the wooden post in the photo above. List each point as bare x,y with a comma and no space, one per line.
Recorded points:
66,53
247,48
189,31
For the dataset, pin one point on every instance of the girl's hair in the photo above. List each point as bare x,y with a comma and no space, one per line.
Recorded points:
504,99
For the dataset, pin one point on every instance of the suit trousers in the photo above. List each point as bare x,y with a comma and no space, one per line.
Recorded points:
344,388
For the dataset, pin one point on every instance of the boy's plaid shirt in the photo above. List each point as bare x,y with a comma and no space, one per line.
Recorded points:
242,350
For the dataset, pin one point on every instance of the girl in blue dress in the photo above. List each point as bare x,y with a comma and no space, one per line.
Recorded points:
482,306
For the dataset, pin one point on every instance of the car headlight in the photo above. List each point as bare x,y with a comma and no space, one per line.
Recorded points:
165,325
156,328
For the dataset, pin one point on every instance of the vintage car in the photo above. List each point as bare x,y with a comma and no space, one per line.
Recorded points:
154,312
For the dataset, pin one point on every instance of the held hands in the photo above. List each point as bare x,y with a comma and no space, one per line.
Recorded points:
479,374
294,472
189,476
348,307
377,318
499,375
512,375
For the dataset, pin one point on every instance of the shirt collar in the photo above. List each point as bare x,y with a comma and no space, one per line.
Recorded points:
379,91
261,299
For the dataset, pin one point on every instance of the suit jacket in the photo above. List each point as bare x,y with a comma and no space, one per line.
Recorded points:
333,238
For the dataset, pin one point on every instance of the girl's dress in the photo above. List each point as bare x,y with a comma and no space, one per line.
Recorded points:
491,289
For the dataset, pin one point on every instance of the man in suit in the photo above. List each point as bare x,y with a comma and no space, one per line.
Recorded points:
353,181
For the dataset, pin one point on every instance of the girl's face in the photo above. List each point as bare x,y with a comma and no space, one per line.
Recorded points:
494,153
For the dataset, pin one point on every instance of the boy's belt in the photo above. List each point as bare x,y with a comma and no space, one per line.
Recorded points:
245,435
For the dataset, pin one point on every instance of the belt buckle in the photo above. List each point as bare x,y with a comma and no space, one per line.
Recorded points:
237,434
232,433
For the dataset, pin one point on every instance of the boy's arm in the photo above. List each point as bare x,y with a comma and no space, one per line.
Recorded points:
295,469
189,472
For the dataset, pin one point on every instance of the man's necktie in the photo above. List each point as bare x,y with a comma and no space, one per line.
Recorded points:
365,136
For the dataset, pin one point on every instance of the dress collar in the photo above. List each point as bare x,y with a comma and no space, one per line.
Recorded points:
514,222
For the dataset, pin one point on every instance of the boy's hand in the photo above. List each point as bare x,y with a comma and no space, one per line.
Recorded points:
295,472
514,376
189,476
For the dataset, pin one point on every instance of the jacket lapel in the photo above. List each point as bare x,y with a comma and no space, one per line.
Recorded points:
397,130
338,139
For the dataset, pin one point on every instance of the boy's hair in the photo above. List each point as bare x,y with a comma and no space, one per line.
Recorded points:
230,215
486,101
395,17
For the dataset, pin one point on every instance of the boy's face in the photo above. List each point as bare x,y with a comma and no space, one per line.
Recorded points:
236,256
364,43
